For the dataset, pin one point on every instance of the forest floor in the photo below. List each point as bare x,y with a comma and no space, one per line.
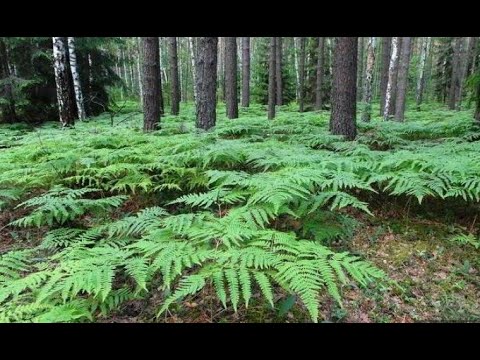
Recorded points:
433,275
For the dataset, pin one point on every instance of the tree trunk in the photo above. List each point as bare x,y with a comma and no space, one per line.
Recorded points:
402,79
463,71
175,84
221,69
8,108
455,79
421,72
151,83
392,77
344,88
320,72
301,74
368,82
278,65
206,82
360,69
271,79
297,71
194,68
245,71
66,104
231,97
477,108
386,55
139,73
76,78
474,55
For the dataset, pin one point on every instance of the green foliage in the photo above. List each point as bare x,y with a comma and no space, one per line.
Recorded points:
247,209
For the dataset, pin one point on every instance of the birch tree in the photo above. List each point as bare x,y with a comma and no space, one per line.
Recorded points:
72,56
421,72
391,84
368,82
66,105
194,68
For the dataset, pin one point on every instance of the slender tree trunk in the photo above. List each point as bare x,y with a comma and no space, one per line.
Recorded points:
231,97
368,82
344,88
455,80
175,84
194,68
139,73
402,80
386,55
421,72
76,78
278,64
392,75
360,69
464,56
66,105
297,68
477,109
206,82
221,69
245,71
151,83
320,72
473,58
8,108
301,90
271,79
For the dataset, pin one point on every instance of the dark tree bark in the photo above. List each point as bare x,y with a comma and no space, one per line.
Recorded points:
386,53
8,109
174,79
463,67
320,72
301,70
360,68
231,97
455,79
271,79
151,83
65,97
402,79
473,50
344,88
246,71
278,71
206,82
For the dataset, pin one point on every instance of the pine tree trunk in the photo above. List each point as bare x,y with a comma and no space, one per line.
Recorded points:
76,78
245,71
402,79
301,67
368,82
463,71
175,84
421,72
221,69
8,108
360,69
271,78
386,55
455,79
392,75
151,83
66,104
206,82
320,72
344,88
231,97
278,75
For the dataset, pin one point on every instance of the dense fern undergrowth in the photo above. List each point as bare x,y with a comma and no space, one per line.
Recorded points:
245,210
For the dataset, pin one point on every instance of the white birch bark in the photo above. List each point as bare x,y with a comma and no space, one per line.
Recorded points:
421,71
59,68
368,81
139,73
194,70
76,78
391,74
